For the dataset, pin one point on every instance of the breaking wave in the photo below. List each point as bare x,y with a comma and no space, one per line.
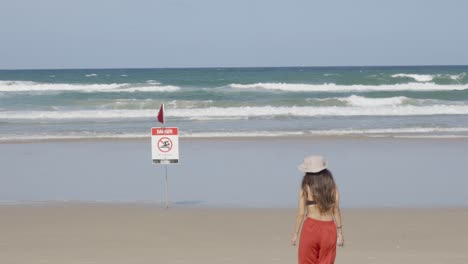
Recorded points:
27,86
417,132
429,77
240,112
416,77
355,100
331,87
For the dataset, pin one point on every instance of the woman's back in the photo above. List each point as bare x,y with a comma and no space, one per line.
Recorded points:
313,210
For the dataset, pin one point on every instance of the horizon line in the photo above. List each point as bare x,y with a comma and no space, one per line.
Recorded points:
234,67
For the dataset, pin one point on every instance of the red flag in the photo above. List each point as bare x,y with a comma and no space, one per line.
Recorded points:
161,114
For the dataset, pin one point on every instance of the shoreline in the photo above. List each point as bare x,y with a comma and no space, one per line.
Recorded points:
195,205
236,138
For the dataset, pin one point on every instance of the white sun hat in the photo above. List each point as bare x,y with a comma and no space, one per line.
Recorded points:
313,164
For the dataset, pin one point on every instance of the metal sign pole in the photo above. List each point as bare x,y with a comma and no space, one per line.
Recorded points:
167,190
165,169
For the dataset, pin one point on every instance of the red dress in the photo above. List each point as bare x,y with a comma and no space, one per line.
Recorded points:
317,244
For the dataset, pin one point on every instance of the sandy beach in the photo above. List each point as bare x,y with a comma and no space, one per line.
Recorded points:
233,201
110,233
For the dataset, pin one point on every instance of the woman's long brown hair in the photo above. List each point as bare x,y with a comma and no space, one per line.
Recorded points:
323,188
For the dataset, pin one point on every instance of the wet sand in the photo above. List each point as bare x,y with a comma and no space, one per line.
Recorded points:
238,172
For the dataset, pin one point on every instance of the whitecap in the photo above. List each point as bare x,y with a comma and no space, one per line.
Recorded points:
457,77
331,87
167,88
240,112
416,77
361,101
388,131
27,86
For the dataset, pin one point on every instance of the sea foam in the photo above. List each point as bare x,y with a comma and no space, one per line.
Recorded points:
429,77
416,132
331,87
355,100
165,88
27,86
416,77
240,112
388,131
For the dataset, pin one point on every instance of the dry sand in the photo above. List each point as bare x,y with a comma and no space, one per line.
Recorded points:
131,234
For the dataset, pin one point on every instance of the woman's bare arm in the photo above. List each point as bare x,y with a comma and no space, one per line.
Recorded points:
336,210
337,217
301,211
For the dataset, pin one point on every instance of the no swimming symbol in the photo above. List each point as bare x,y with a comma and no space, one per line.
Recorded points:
164,144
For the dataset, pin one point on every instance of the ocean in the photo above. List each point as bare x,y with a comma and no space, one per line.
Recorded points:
359,118
419,101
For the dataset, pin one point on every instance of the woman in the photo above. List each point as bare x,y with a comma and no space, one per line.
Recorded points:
319,200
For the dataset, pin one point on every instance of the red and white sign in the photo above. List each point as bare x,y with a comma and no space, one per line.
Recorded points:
165,144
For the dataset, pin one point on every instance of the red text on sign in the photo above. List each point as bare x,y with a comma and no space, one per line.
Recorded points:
164,131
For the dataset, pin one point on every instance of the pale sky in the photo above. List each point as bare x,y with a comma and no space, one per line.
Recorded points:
236,33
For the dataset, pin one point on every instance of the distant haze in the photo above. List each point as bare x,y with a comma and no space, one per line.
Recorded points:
241,33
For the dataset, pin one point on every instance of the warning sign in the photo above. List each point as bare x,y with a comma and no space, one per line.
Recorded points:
165,144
